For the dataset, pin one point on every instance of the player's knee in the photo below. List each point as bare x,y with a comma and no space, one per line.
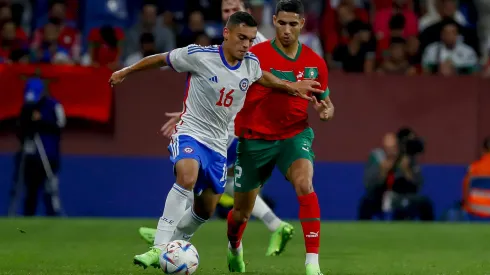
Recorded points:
303,185
186,179
241,216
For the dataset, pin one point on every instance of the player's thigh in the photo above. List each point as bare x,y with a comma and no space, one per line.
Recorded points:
296,159
255,163
214,172
205,204
243,204
186,154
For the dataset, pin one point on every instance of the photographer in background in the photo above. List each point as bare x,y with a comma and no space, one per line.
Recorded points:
393,180
39,130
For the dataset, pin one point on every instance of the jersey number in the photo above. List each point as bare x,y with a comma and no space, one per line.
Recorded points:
225,99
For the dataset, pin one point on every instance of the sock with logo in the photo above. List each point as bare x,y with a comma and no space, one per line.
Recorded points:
309,215
188,225
235,232
263,212
172,214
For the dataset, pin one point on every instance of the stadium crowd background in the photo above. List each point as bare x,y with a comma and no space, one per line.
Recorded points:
386,37
390,36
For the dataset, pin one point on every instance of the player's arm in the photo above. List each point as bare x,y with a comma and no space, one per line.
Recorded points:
149,62
322,102
181,60
300,88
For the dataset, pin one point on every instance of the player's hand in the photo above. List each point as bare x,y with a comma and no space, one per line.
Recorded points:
324,107
168,128
118,77
304,88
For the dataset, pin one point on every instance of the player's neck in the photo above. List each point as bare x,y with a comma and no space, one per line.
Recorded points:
290,51
229,58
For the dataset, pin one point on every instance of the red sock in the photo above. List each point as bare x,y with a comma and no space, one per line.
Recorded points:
235,231
309,215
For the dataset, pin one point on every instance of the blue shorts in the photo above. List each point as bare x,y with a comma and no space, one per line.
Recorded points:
231,153
212,165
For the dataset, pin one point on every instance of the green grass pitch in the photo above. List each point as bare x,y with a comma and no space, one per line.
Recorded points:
106,246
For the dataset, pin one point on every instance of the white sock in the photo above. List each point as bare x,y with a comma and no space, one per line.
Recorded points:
263,212
311,258
187,226
233,250
172,214
230,181
190,200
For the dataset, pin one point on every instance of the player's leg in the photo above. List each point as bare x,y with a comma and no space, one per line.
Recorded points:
207,190
254,165
185,153
297,164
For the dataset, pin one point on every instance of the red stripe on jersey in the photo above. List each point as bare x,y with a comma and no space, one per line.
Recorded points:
186,94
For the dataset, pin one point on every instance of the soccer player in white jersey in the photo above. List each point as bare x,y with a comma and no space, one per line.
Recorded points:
282,231
217,82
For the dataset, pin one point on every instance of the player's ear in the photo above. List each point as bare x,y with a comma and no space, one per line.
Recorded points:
274,19
226,33
302,22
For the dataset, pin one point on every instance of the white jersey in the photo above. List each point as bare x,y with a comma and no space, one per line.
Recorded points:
215,92
231,127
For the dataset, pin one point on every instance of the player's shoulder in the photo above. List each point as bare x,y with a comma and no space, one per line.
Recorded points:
311,54
251,57
194,49
261,47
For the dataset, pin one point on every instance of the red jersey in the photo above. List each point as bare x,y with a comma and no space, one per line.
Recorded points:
274,115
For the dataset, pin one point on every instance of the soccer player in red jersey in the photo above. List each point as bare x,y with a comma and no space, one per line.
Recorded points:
273,131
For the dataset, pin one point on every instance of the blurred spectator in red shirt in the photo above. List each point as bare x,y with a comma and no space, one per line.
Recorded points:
105,46
396,61
334,23
11,43
383,17
50,50
69,37
309,36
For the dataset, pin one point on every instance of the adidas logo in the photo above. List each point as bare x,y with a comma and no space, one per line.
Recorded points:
214,79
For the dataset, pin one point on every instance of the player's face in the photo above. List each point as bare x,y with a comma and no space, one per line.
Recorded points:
229,7
239,39
288,27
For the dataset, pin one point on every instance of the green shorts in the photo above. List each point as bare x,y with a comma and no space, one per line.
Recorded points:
256,158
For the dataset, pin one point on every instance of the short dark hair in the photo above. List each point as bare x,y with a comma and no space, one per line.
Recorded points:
52,3
397,40
241,17
295,6
397,22
354,27
448,21
146,38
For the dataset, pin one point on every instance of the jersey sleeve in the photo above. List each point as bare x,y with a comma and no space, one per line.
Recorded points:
256,71
183,59
323,79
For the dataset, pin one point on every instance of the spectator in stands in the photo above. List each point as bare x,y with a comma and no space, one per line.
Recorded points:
50,50
393,180
382,19
68,36
397,62
147,47
148,22
190,32
450,55
310,37
257,10
203,39
396,25
477,202
334,25
105,47
12,47
41,121
443,9
357,56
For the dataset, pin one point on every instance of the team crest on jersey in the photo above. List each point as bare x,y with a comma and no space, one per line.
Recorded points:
244,84
188,150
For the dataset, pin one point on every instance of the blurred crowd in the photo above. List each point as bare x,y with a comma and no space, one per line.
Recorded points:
409,37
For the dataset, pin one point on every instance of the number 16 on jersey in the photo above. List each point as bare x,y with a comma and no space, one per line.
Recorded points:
226,98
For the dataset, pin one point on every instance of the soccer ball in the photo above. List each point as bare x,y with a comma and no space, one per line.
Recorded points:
179,257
